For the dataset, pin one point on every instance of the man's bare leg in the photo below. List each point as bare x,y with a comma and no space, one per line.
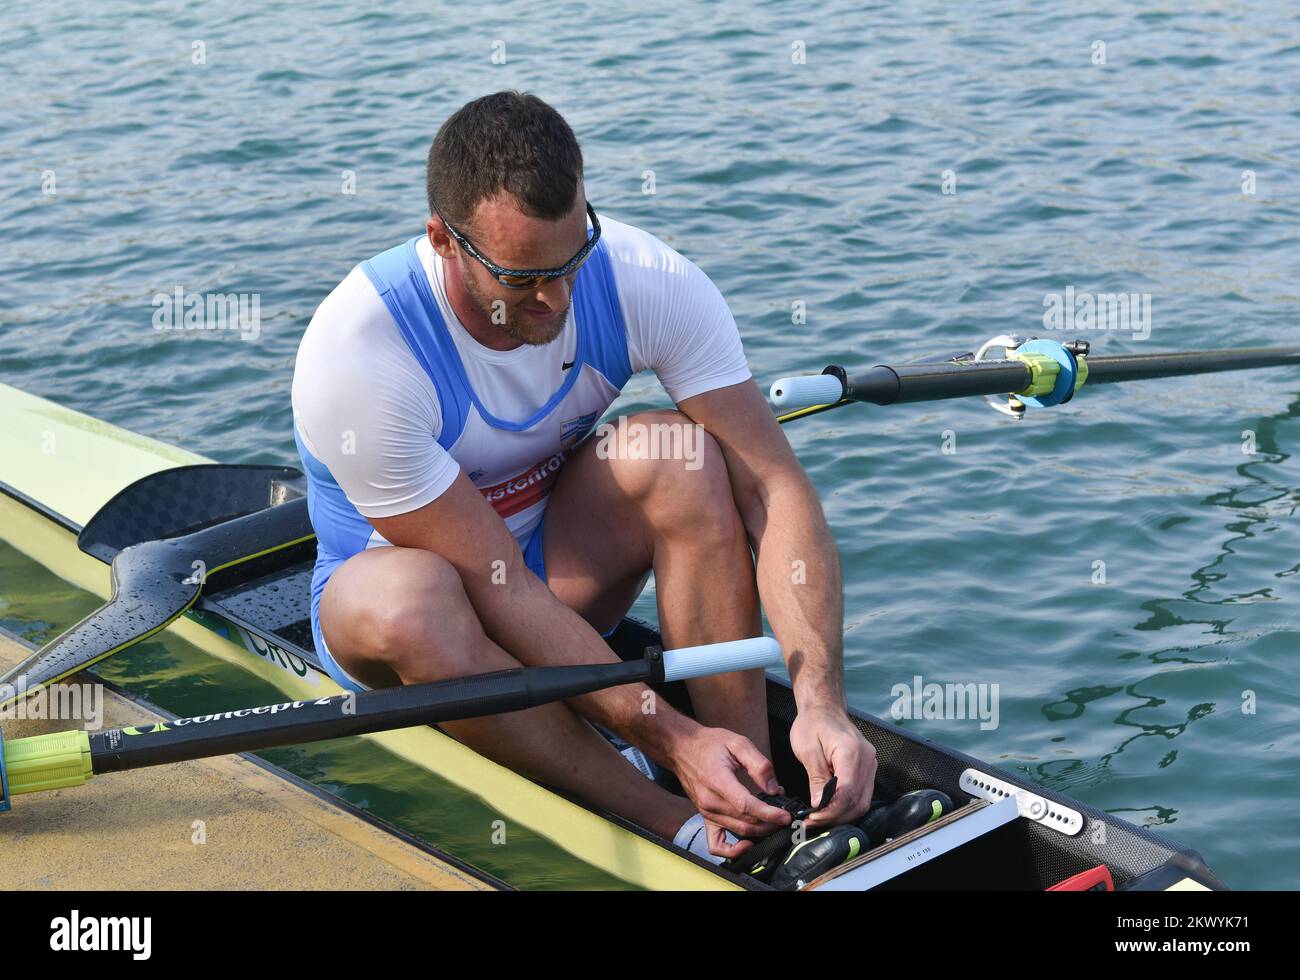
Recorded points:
401,615
395,615
610,521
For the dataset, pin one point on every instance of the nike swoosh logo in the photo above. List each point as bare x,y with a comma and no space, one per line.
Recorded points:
565,367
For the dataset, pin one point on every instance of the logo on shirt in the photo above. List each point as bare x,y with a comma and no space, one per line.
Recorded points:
524,489
572,431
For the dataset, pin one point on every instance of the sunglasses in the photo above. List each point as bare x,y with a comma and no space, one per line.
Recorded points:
528,278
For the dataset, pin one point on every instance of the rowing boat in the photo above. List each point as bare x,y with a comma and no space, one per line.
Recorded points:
75,491
58,468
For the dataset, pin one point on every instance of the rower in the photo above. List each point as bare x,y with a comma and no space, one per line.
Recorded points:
471,514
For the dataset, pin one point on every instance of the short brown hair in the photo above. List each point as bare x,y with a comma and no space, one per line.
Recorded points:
510,141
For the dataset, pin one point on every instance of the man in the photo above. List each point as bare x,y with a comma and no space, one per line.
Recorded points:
438,390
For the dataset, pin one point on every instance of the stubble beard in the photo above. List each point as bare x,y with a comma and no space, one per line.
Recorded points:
518,324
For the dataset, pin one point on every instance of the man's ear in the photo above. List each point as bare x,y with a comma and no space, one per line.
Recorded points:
436,232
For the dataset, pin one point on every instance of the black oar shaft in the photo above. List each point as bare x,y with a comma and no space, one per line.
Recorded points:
884,385
252,729
62,760
1140,367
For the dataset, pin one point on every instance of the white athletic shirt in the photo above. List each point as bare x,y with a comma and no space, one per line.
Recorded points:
366,408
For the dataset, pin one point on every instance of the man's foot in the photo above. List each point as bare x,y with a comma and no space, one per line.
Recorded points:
693,837
640,761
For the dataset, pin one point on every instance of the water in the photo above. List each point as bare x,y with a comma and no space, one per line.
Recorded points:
1166,694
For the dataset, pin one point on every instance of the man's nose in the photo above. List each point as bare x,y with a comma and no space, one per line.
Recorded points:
555,294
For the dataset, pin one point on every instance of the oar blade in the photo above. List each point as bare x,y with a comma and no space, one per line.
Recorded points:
154,583
151,587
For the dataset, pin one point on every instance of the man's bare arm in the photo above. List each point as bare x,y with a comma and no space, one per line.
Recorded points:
798,567
800,588
521,615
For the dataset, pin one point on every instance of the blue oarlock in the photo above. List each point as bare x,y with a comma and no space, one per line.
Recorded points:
1066,378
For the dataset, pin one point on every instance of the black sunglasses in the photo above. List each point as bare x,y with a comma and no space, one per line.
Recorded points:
528,278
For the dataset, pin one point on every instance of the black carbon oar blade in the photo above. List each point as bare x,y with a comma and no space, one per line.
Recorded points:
153,584
150,589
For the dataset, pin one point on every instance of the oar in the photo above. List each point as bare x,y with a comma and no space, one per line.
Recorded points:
1037,372
67,759
154,583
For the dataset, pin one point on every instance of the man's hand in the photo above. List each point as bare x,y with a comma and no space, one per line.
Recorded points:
714,767
827,742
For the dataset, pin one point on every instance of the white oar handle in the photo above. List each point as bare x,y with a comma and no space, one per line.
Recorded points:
812,389
721,658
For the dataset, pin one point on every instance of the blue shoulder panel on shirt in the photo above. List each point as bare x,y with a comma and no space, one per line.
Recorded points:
600,315
399,278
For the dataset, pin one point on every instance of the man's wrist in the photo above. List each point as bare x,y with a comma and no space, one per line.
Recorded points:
662,734
821,694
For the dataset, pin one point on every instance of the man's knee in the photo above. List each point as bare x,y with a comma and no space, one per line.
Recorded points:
678,473
409,610
663,452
